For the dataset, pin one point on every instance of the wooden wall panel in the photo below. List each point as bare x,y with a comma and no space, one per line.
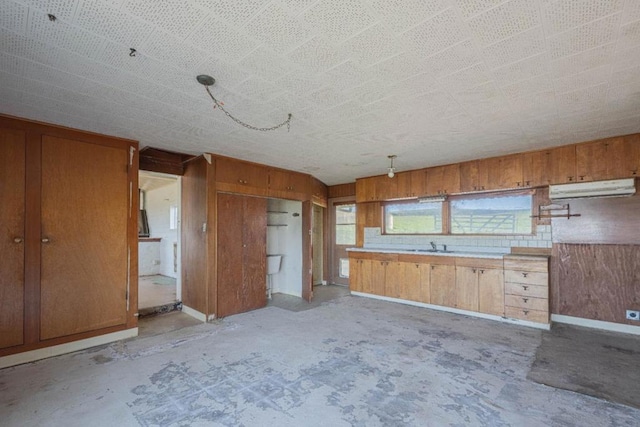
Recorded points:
367,215
596,281
193,237
307,254
614,220
342,190
85,215
163,161
12,236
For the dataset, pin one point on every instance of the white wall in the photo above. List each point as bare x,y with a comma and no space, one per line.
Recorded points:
148,255
286,241
158,203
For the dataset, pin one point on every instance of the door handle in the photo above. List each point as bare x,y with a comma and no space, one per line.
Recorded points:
45,240
18,240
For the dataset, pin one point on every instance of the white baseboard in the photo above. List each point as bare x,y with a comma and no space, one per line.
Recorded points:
194,313
596,324
70,347
543,326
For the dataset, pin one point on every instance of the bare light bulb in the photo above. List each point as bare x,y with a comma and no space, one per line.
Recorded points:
391,174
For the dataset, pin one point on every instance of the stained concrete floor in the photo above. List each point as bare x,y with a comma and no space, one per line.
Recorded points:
348,362
321,294
156,290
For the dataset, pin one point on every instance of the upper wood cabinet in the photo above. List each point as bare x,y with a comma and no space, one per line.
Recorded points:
504,172
376,188
411,183
609,158
241,175
284,182
474,176
553,166
443,180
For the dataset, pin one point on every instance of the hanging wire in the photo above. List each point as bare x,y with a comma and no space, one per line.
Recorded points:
241,123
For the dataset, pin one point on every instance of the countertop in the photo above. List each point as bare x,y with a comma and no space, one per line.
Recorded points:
491,255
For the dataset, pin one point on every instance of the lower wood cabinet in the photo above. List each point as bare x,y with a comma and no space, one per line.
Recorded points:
516,287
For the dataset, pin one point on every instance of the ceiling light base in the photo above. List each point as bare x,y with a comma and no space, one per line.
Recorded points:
205,80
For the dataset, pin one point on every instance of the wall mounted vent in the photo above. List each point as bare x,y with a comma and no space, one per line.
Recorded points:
583,190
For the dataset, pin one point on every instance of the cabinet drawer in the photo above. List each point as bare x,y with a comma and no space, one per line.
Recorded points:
526,263
526,290
527,314
526,277
520,301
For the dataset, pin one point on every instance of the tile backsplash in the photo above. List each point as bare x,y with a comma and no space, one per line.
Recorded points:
374,239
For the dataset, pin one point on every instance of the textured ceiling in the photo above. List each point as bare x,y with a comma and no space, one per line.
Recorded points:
433,81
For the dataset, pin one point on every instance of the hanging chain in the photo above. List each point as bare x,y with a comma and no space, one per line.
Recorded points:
248,126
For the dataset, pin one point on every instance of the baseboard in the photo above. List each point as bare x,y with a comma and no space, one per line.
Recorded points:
543,326
70,347
194,313
596,324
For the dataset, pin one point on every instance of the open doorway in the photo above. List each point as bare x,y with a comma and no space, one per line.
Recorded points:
158,243
343,236
317,245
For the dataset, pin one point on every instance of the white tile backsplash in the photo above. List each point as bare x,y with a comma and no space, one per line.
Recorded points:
374,239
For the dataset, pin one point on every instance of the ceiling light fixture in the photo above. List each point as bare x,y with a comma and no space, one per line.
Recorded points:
207,81
392,170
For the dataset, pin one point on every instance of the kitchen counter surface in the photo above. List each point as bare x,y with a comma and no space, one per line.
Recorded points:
491,255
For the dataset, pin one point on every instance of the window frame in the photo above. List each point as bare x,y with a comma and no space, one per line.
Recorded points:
446,213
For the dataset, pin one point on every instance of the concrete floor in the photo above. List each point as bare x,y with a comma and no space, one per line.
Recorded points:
156,290
321,294
348,362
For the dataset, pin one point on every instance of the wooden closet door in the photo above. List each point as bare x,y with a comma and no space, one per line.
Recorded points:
84,237
12,211
242,253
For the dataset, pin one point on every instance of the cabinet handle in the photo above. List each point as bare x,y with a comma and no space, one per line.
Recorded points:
570,178
581,177
525,312
482,188
518,184
525,299
18,240
45,240
473,270
524,288
524,274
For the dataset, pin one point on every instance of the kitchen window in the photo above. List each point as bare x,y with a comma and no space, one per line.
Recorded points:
485,214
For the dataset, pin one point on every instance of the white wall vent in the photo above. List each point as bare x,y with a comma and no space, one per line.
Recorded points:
581,190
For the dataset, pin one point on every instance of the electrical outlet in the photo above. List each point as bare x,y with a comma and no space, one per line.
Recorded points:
633,315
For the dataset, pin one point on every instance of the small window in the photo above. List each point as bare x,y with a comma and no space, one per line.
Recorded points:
346,224
344,267
413,218
492,215
173,217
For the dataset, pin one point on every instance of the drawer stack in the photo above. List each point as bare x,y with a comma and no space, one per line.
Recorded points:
526,288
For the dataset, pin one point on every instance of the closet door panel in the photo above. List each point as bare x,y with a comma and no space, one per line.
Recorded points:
84,237
12,234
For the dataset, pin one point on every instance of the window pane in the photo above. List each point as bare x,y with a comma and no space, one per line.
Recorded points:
492,215
413,218
346,224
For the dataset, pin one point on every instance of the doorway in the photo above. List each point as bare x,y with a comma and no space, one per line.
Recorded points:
158,243
317,245
343,236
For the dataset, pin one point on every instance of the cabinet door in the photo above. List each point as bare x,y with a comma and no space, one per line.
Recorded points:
394,279
425,283
467,288
385,188
410,289
287,181
365,189
443,180
355,275
241,174
378,277
403,184
555,166
443,285
12,193
474,176
253,294
623,157
491,291
505,172
366,272
84,249
591,161
411,183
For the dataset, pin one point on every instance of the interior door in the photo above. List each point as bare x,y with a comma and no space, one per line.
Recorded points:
84,237
343,231
12,234
317,244
242,253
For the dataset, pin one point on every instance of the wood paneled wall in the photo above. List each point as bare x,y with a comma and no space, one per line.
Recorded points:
342,190
597,282
367,215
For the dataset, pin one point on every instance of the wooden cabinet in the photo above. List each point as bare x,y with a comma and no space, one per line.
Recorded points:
443,285
318,191
443,180
474,176
288,184
241,177
505,172
242,270
411,184
554,166
12,236
68,237
480,285
416,284
376,188
527,288
609,158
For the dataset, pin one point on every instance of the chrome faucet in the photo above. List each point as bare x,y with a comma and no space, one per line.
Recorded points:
433,245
